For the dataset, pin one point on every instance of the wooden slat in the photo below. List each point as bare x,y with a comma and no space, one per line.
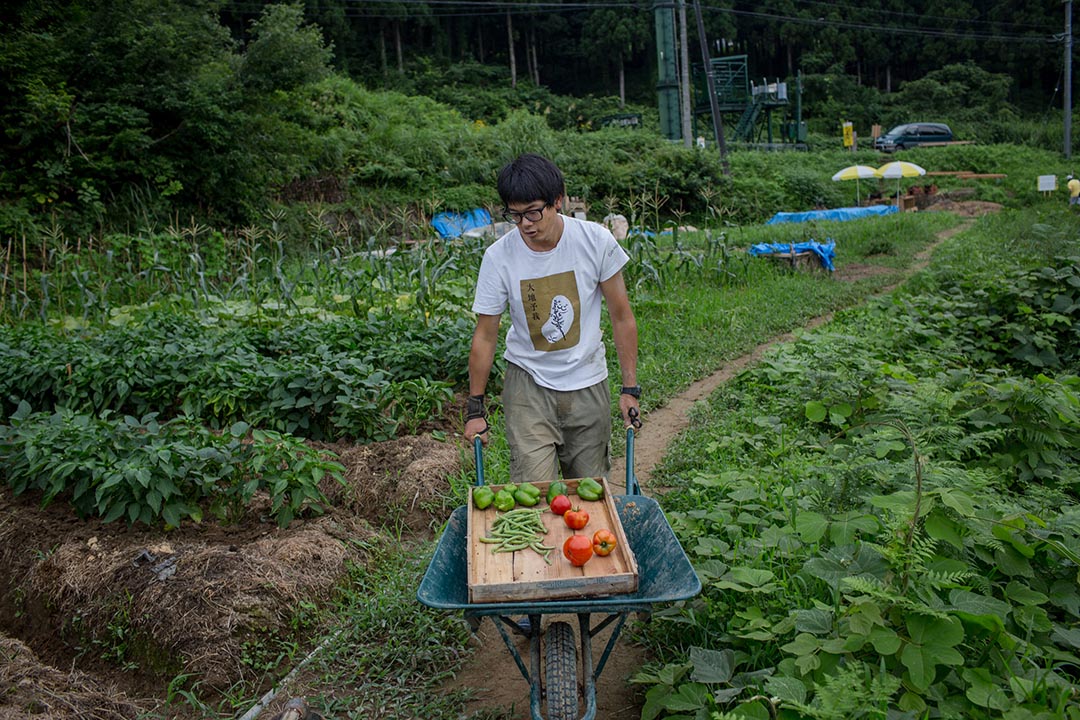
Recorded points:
966,174
524,575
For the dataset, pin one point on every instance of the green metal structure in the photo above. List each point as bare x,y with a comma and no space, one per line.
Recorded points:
667,82
750,105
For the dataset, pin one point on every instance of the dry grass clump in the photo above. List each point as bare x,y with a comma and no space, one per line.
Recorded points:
31,690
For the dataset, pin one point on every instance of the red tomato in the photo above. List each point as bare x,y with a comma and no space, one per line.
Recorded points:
576,519
603,542
560,504
577,549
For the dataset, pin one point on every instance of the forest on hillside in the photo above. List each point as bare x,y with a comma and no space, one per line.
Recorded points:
579,47
122,113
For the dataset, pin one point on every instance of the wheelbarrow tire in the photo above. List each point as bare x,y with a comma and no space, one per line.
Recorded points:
560,658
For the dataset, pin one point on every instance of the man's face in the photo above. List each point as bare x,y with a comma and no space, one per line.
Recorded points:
543,231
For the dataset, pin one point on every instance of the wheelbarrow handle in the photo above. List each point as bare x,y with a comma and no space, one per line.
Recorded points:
632,487
478,457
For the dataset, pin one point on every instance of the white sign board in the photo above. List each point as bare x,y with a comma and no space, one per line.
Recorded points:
1047,183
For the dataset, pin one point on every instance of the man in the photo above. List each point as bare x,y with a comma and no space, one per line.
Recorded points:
551,272
1074,190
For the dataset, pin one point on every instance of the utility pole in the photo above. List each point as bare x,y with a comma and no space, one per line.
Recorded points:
710,86
1068,79
684,72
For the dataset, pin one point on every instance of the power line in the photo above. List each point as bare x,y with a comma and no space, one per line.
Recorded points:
356,9
1047,28
891,29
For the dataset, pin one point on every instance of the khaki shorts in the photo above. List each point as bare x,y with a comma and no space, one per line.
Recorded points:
549,431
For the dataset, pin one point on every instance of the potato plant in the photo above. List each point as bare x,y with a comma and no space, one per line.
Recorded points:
144,471
316,379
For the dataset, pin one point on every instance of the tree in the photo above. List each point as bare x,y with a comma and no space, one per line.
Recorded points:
97,92
613,36
960,92
284,53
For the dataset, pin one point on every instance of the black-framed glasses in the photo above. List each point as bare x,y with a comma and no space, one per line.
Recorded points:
530,215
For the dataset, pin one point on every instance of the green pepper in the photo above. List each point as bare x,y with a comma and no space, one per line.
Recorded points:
594,485
531,489
589,489
482,497
524,497
555,489
504,500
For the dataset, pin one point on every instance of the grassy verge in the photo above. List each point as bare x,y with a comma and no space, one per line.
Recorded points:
689,327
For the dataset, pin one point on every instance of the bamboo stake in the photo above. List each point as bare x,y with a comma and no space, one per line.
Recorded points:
25,269
7,270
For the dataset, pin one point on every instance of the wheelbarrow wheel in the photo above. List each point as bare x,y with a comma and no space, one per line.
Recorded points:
560,658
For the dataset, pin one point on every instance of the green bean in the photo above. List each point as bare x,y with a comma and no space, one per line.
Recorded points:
516,530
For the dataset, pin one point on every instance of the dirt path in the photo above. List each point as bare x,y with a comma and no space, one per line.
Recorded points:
616,696
618,699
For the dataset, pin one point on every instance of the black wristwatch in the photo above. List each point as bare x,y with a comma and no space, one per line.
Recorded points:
633,391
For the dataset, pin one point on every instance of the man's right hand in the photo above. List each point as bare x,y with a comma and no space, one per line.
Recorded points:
475,427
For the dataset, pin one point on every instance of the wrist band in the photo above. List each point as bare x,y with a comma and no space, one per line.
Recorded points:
474,408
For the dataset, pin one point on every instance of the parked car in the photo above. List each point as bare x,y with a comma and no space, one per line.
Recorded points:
906,136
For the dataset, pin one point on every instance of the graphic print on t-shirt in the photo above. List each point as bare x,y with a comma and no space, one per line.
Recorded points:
551,306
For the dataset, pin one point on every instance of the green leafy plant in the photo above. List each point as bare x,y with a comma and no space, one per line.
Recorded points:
880,528
144,471
416,401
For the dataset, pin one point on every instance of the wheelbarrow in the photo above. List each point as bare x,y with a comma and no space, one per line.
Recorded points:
665,575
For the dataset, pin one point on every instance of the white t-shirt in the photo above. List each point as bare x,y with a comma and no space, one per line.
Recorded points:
554,301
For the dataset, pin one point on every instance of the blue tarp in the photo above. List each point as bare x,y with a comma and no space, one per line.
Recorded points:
853,213
452,224
825,251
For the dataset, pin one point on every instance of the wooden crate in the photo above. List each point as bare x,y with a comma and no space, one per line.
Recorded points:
799,261
525,576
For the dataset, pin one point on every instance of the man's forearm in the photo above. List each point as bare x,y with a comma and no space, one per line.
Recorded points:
479,371
625,336
482,355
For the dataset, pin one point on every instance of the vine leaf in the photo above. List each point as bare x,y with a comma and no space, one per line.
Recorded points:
691,696
982,610
932,644
712,666
983,692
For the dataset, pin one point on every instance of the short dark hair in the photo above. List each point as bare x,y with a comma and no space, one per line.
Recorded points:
529,178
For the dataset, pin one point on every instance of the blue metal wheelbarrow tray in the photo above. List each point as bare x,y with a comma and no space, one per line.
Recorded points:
664,572
664,575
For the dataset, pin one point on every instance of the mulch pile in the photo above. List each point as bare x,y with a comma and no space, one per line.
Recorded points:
964,208
190,597
31,689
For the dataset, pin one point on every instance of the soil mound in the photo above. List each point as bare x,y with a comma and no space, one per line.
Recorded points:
404,480
137,606
31,690
964,208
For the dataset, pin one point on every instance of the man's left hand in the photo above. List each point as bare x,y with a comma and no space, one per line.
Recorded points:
630,410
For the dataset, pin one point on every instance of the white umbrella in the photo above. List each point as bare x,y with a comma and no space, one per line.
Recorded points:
856,172
899,169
